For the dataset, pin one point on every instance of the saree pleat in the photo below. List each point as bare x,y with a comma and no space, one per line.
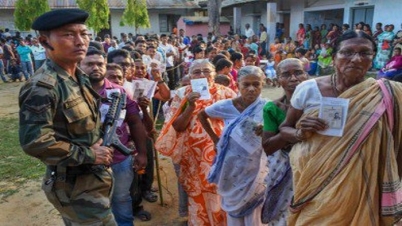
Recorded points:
194,151
334,185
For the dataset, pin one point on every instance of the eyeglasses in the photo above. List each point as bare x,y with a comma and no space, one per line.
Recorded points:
350,54
289,74
204,72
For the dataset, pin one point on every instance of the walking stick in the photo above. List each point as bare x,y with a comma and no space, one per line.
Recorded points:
156,155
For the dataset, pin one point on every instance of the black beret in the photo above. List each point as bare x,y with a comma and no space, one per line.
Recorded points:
58,18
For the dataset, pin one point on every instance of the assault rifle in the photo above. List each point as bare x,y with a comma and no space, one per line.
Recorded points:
110,138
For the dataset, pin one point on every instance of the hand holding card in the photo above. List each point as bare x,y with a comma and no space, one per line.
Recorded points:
201,86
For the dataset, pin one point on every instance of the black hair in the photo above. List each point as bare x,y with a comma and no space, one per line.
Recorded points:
222,80
226,53
218,57
128,48
302,51
236,56
113,66
222,63
210,49
139,41
116,53
151,47
97,45
197,49
135,54
353,34
94,51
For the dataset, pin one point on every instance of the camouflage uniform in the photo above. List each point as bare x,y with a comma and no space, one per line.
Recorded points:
59,121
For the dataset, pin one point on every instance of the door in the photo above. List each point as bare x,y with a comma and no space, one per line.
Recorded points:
362,14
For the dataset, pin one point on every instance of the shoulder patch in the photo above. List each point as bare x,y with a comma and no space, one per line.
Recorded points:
47,81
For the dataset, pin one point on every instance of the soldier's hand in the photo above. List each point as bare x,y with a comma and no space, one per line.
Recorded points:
103,155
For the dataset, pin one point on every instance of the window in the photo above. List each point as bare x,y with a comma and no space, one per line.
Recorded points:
163,23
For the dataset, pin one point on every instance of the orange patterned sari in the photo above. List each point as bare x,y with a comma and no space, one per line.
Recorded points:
194,151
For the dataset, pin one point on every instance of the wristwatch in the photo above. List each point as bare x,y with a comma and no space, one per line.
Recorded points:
161,81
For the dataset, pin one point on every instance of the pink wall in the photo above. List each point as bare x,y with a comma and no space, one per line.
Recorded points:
200,28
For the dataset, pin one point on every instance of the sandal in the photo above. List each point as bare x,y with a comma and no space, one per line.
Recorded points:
150,196
142,214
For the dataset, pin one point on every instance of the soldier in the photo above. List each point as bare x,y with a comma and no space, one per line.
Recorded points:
59,123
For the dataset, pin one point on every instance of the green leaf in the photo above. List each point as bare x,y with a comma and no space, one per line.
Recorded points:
27,11
98,13
136,14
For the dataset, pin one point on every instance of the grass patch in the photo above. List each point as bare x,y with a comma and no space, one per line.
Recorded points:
15,166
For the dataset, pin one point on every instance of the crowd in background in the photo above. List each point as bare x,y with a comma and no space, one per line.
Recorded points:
179,58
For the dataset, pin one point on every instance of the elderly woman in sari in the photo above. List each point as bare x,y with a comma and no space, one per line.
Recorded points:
187,143
384,47
279,182
353,179
239,170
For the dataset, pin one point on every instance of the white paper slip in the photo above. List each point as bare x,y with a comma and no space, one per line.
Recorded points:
143,87
201,86
244,135
334,111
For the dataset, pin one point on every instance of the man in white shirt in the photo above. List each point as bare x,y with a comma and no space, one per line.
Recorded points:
170,54
39,53
249,32
152,54
124,39
113,46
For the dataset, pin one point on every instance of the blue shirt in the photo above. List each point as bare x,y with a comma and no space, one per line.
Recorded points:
25,53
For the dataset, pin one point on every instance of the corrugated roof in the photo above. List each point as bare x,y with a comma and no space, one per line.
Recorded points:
226,3
113,4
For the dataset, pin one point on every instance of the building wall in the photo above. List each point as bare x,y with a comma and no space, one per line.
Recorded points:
116,29
7,19
296,17
201,28
385,11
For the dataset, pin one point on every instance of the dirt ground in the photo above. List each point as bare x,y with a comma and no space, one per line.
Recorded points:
29,205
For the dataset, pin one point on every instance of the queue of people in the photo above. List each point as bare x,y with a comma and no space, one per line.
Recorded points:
240,158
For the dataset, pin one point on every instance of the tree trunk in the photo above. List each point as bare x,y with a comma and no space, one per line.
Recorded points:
214,14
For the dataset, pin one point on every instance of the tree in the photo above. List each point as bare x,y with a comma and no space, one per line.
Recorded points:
26,11
98,13
136,14
214,14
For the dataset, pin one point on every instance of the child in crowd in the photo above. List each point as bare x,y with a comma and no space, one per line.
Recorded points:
250,60
224,67
222,80
312,57
270,71
301,55
15,71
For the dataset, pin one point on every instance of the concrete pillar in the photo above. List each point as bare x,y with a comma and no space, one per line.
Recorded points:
271,21
237,20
